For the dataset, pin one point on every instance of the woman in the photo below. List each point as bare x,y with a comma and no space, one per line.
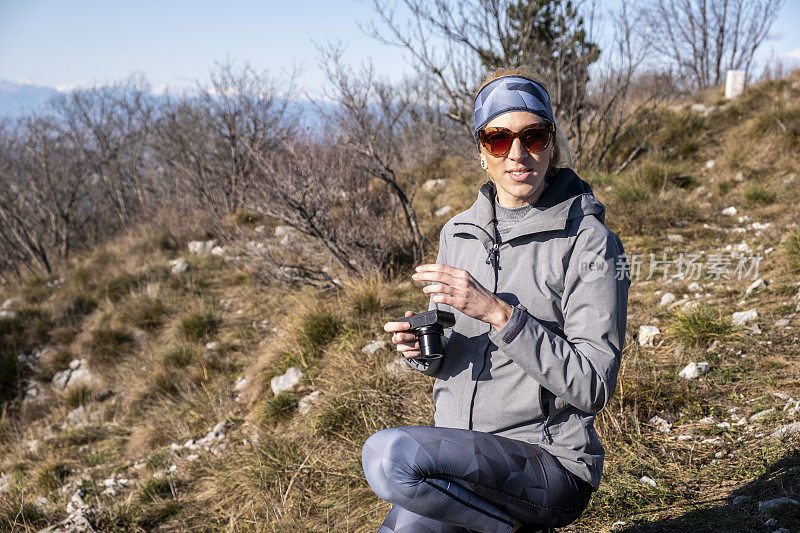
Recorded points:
539,289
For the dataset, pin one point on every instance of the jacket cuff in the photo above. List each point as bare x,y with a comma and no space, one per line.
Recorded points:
512,328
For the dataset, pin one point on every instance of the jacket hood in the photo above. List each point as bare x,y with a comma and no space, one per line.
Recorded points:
566,197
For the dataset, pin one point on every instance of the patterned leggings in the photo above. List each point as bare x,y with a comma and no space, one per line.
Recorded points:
444,480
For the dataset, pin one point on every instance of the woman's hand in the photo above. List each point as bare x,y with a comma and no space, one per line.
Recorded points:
407,343
458,289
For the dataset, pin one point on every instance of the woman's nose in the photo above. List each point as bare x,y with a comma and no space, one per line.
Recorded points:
517,151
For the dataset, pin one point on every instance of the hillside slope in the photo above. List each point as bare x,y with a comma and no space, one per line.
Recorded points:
139,397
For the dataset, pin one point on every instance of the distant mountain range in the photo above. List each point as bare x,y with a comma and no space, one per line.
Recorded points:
20,99
17,99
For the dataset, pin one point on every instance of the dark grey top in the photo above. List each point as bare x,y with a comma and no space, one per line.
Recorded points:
507,217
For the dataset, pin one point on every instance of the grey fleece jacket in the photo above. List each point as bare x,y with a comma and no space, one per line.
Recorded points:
543,376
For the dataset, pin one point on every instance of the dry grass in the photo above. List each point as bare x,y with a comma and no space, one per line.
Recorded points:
285,472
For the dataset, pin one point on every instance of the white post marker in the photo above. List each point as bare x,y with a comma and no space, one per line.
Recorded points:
734,84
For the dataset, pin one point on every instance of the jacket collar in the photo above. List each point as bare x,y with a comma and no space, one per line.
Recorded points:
566,197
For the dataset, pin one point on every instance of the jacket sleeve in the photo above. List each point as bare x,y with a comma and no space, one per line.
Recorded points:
580,367
431,367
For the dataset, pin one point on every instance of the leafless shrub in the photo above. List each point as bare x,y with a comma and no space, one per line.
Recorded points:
202,141
455,44
704,39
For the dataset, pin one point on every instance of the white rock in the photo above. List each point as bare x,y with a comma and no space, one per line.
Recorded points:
282,231
13,304
433,184
442,211
179,266
739,176
285,382
675,238
754,329
76,502
757,284
684,438
241,383
374,347
742,317
724,425
667,298
771,505
81,377
707,421
694,304
714,440
647,480
213,346
192,457
77,418
711,162
61,378
218,250
5,482
695,287
202,247
660,424
307,401
730,211
787,431
260,229
619,523
7,315
75,364
647,335
398,368
694,370
761,414
219,430
782,322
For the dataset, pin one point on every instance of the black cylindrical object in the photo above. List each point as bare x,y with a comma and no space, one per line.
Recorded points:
430,341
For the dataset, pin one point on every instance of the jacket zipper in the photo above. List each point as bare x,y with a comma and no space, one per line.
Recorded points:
494,259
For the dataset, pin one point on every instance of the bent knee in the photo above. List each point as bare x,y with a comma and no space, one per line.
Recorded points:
389,467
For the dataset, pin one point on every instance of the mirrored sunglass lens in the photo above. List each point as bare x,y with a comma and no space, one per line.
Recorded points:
498,142
535,140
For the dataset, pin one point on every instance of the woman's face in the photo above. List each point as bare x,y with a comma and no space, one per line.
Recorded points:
519,175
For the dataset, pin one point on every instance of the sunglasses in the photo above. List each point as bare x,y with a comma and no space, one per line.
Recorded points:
498,141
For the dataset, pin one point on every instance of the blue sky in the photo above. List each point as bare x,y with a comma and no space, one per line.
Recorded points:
60,43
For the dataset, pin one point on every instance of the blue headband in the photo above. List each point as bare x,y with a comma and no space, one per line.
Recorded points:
510,93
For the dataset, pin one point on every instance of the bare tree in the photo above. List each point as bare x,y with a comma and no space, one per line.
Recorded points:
704,38
202,141
44,205
109,128
373,120
456,43
317,188
620,97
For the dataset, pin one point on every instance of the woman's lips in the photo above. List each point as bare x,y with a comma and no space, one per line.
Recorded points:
518,175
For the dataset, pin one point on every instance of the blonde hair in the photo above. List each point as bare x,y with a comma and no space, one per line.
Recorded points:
562,151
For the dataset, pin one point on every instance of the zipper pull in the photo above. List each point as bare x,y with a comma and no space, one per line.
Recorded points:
493,252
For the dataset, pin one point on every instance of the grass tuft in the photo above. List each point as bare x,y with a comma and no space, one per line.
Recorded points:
792,247
756,194
50,475
278,408
144,312
700,326
108,344
198,326
316,329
